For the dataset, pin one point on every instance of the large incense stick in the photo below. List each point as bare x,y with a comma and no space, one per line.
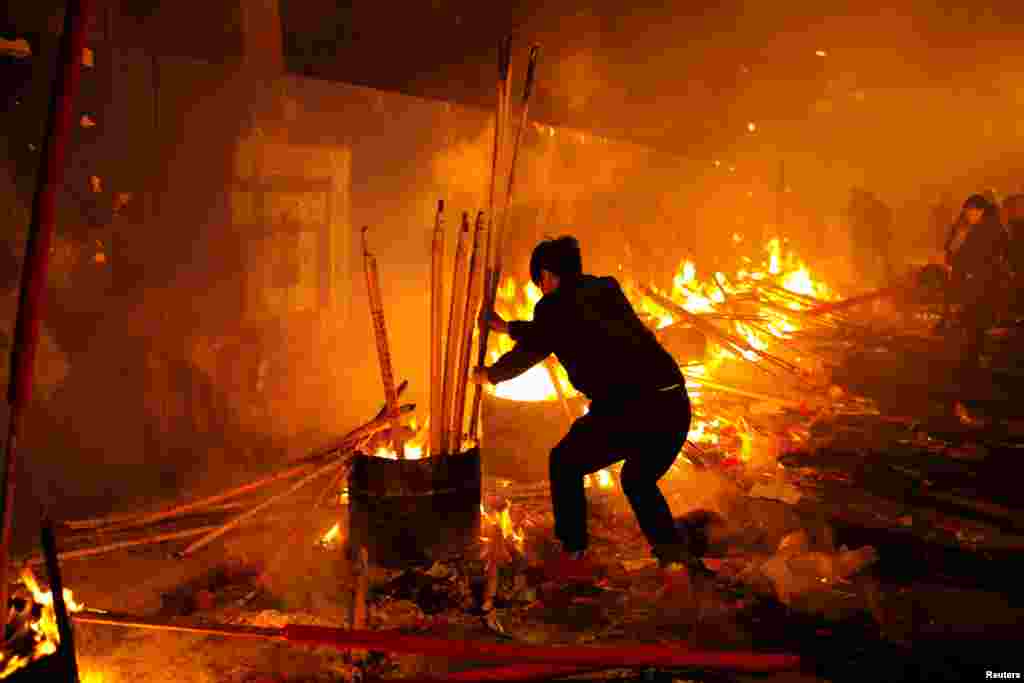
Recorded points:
451,352
474,294
495,236
381,336
531,69
436,329
224,528
500,118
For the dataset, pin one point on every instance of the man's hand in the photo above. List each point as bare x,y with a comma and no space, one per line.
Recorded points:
479,376
494,321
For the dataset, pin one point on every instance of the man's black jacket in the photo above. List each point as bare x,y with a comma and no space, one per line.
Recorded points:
590,326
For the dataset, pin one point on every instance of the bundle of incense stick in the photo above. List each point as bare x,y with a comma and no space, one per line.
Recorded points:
381,336
474,295
735,344
495,238
500,116
452,350
436,329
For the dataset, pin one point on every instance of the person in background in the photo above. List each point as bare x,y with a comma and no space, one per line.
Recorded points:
1013,215
639,411
976,251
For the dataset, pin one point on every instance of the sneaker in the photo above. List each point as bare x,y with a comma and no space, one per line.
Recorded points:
567,569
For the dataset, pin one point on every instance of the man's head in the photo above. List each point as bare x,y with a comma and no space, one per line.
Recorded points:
555,261
974,209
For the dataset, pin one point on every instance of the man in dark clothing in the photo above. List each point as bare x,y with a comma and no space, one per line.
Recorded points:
639,413
976,252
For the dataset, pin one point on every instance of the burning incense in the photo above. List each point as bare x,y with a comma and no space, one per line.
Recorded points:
495,232
381,335
473,297
452,350
126,521
523,114
224,528
121,545
436,329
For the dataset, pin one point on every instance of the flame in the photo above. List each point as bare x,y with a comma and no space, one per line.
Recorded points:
416,448
779,267
604,479
502,521
332,535
44,630
516,303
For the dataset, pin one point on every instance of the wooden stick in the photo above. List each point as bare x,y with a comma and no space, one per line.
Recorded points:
224,528
399,390
361,574
380,334
523,115
487,307
836,306
718,386
736,344
436,330
191,517
179,510
452,347
353,438
121,545
37,260
469,324
489,287
500,118
60,608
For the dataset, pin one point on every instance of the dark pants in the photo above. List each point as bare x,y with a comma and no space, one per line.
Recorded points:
647,433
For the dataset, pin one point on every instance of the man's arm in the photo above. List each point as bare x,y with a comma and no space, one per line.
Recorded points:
515,362
533,344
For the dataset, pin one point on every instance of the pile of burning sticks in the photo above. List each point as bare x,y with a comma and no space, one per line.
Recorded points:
204,520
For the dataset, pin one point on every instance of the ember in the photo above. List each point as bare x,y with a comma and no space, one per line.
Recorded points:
39,623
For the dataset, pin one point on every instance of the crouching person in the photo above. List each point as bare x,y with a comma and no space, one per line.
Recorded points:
639,411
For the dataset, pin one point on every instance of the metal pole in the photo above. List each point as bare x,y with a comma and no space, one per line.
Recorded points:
37,251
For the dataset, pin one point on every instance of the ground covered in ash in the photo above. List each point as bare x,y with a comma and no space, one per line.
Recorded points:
883,544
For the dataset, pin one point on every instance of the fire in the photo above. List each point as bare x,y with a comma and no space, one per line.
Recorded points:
332,535
604,479
501,521
415,448
516,303
44,629
769,278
